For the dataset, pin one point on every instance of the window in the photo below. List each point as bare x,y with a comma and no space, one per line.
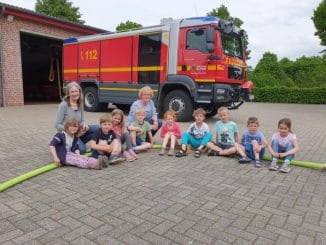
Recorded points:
196,39
149,56
232,45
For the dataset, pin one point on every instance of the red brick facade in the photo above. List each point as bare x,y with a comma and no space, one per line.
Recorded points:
10,52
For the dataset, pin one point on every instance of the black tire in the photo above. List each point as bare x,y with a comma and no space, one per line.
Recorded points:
91,102
180,102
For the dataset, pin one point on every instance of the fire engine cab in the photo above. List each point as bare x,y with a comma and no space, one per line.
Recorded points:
189,63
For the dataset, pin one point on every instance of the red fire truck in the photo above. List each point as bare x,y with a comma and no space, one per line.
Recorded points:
189,63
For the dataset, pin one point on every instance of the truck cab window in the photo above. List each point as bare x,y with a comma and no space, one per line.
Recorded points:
196,39
232,45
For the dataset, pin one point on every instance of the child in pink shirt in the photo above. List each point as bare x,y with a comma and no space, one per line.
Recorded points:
170,132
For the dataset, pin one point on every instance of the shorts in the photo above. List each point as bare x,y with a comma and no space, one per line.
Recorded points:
223,147
139,141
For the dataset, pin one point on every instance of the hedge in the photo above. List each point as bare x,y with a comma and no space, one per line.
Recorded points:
290,95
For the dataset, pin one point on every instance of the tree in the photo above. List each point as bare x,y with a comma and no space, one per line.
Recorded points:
62,9
268,72
128,25
223,13
319,19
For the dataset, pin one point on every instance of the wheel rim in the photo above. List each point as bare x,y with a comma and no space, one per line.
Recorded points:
89,100
178,105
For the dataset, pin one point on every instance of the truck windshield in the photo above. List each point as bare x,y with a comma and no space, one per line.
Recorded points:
232,45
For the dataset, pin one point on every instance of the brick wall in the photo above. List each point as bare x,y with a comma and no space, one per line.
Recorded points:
11,54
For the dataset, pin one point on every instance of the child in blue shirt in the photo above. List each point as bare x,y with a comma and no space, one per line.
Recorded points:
253,143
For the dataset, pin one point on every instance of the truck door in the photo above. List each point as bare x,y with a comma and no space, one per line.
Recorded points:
194,56
117,85
149,62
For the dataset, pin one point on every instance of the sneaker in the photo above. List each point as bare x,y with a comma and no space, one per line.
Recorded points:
273,166
162,152
257,163
115,159
244,160
171,152
212,153
285,168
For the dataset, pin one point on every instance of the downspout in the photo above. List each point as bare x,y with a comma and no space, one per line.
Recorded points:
1,61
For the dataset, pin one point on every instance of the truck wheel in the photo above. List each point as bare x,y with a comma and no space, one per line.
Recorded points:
91,102
180,102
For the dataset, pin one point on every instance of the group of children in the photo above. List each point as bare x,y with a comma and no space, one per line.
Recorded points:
114,143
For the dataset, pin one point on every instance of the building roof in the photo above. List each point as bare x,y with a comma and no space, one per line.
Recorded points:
7,9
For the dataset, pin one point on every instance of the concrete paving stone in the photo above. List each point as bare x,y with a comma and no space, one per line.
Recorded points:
241,222
53,234
221,235
199,236
70,222
178,238
155,239
58,241
183,226
202,225
163,227
172,217
304,240
189,216
82,241
106,239
261,232
263,241
283,232
111,220
76,233
132,239
260,221
277,220
11,234
122,229
241,233
30,237
103,229
283,240
130,218
241,241
139,230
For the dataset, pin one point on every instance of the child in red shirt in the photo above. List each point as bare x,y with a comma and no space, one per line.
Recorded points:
170,132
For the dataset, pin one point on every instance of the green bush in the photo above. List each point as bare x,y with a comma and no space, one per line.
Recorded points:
290,95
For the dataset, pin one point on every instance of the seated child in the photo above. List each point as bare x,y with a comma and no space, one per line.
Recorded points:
170,132
226,135
120,131
197,135
65,150
253,143
104,141
283,145
139,129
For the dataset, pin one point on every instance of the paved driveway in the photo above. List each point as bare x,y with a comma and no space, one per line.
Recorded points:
162,200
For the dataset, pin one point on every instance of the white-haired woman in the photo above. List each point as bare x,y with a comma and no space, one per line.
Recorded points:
145,102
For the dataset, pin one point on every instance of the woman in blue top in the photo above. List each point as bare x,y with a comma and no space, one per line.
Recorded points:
145,102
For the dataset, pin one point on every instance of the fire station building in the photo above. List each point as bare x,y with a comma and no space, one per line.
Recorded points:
31,54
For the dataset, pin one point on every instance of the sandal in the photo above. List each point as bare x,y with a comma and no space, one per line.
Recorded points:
181,153
197,153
